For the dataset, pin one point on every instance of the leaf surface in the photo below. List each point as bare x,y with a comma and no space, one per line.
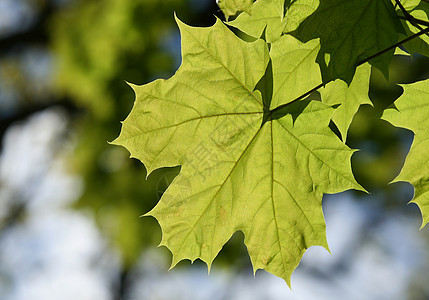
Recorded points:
266,181
351,31
350,97
411,112
232,7
297,11
295,70
270,15
408,4
207,66
267,15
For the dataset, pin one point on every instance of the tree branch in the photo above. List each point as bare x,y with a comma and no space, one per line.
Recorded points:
417,21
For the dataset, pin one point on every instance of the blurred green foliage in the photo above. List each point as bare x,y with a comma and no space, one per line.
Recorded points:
98,46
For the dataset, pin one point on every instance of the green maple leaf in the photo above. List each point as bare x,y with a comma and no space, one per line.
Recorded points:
297,11
350,97
232,7
269,15
243,167
351,31
411,112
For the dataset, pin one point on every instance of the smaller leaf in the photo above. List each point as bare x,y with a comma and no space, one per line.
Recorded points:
349,97
267,15
411,112
297,12
232,7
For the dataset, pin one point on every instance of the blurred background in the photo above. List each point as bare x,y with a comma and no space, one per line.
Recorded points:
70,202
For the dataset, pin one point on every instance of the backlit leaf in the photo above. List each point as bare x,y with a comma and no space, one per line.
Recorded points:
232,7
349,97
270,15
411,112
267,15
242,167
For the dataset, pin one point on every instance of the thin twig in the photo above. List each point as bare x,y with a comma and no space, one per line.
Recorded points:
424,31
418,21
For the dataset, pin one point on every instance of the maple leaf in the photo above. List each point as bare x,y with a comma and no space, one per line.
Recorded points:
297,11
350,97
269,15
351,31
411,112
244,167
232,7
